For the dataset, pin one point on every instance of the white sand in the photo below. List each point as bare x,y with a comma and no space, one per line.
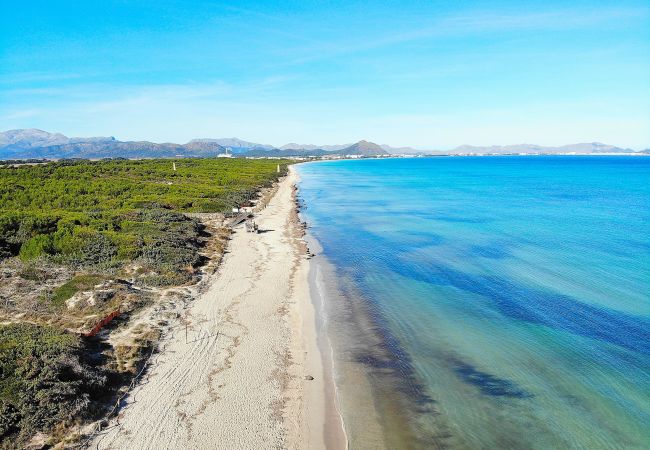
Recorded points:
238,380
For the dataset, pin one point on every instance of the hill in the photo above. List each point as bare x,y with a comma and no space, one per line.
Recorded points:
363,148
234,144
277,153
33,143
582,148
329,148
37,144
30,138
337,147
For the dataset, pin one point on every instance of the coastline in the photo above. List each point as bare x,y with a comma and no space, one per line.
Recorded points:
243,366
347,335
379,399
429,277
382,402
350,387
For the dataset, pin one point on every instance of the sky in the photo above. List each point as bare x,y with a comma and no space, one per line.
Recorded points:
427,74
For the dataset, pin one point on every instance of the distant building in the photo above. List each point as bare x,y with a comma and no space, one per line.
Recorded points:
228,154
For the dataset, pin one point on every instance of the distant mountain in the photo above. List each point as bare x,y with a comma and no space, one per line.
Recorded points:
113,149
592,147
236,145
30,138
401,150
34,138
36,144
204,145
32,143
277,153
333,148
583,148
329,148
363,148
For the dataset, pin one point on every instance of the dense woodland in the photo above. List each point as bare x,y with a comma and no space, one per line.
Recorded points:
92,219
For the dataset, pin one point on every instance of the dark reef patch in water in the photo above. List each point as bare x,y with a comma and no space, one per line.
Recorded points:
389,357
515,300
563,312
488,251
558,311
408,386
487,383
401,399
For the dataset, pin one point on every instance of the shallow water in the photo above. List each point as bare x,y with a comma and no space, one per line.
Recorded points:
490,302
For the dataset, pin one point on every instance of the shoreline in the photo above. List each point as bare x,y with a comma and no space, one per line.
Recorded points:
244,368
373,401
340,322
316,342
381,401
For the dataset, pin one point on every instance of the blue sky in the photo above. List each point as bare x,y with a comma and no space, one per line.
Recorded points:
428,74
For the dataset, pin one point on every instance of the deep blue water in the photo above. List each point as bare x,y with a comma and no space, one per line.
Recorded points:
512,293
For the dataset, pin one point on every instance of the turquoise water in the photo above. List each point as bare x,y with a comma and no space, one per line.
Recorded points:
507,298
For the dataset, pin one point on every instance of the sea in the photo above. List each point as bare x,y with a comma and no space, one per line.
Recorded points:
485,302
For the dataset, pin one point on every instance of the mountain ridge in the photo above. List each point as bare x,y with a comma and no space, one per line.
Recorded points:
363,148
35,143
235,144
584,147
337,147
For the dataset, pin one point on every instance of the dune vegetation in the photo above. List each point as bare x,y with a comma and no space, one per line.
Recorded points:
101,212
116,230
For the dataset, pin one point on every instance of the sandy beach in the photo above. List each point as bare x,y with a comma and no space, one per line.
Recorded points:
246,372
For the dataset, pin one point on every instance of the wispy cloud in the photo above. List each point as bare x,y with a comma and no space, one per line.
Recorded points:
35,77
469,24
20,114
136,93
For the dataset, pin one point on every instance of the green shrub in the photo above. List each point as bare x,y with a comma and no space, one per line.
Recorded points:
78,283
83,246
43,380
36,247
9,226
65,241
